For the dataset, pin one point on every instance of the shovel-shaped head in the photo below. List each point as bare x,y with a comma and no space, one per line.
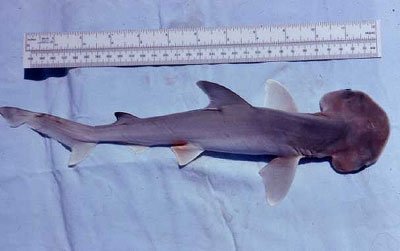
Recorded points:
368,129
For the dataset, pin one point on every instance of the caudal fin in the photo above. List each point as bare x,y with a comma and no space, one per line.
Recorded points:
15,116
69,133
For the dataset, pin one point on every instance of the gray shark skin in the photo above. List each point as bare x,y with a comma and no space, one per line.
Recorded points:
351,128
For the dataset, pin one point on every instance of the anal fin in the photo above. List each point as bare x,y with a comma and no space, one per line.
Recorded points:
79,152
278,176
138,148
186,153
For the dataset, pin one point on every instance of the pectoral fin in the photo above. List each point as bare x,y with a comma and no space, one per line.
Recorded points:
278,176
186,153
277,97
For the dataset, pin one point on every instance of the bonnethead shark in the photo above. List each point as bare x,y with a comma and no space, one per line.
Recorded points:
350,128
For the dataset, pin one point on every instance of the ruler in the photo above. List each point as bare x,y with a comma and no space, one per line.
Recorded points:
263,43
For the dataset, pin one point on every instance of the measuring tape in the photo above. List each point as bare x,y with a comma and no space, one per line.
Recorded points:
203,45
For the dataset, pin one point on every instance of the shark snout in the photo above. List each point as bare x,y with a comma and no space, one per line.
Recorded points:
368,128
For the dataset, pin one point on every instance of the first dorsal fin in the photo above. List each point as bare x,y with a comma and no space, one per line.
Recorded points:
123,117
220,96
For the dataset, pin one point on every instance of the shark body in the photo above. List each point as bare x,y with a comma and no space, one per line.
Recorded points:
230,124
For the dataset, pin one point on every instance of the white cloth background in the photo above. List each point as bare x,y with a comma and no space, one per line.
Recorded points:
116,200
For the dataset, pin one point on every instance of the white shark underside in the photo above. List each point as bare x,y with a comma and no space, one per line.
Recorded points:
228,124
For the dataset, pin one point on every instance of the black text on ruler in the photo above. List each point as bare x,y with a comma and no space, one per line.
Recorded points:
203,45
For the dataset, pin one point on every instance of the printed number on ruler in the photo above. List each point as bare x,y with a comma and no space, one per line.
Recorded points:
203,45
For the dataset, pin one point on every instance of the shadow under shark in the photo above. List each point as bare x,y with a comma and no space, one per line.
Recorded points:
350,128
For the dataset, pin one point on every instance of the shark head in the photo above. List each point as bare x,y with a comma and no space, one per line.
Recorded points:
368,129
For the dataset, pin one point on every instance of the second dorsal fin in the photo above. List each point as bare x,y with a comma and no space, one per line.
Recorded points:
124,117
220,96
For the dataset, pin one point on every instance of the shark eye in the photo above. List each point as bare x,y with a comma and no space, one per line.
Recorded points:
347,94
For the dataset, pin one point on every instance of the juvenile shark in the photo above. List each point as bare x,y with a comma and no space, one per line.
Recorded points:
351,128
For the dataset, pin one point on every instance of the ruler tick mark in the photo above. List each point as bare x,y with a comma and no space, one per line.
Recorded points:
203,45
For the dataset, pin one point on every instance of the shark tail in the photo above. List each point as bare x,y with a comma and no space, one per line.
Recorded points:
73,135
15,116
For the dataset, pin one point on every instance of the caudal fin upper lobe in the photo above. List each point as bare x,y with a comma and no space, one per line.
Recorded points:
69,133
